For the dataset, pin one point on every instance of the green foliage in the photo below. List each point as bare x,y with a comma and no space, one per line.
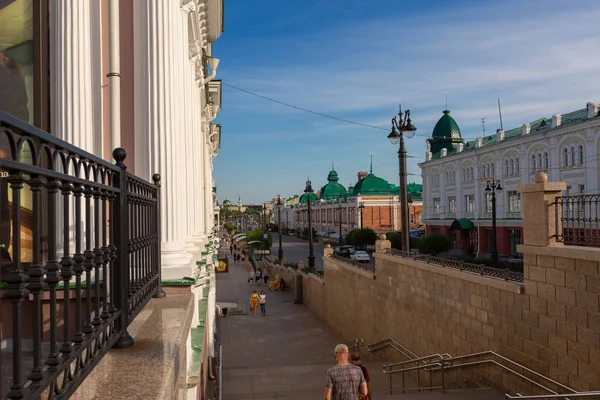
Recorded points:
229,226
434,243
292,265
258,235
396,239
369,237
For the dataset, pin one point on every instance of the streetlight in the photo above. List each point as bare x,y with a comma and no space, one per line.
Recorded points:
311,257
402,127
493,186
361,205
340,221
279,226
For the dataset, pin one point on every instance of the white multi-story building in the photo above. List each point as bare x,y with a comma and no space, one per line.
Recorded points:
456,174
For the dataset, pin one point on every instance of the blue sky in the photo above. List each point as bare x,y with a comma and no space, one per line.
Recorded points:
357,59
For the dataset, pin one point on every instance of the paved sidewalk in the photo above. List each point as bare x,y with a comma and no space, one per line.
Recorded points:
283,355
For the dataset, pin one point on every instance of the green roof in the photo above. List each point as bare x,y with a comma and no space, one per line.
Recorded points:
372,185
333,190
541,125
446,127
303,198
226,202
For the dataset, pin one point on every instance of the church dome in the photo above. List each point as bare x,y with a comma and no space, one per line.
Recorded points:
372,185
332,190
446,127
304,197
226,202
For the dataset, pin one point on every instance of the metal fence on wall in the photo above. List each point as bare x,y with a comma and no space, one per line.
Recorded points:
578,220
79,259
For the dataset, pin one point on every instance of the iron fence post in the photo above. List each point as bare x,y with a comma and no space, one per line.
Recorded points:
160,293
121,273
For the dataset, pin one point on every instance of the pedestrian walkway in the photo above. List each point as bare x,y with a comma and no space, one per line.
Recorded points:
283,355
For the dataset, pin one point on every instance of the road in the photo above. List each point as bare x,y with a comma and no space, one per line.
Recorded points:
295,250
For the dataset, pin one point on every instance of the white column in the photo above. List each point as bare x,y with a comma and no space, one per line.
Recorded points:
72,85
158,126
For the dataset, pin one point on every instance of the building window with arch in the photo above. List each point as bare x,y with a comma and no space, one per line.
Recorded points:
566,157
512,166
533,163
546,161
581,154
539,161
471,174
506,170
517,165
573,155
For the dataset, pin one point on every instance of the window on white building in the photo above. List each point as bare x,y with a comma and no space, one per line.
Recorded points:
470,203
539,161
581,155
437,206
506,169
471,174
573,155
488,202
452,204
514,201
516,166
533,163
582,189
566,157
546,161
493,170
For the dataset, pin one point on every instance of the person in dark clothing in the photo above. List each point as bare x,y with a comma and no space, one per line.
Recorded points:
13,93
355,359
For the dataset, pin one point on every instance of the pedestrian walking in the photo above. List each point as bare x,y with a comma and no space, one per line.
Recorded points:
251,278
355,360
231,249
254,301
266,275
262,298
344,380
258,276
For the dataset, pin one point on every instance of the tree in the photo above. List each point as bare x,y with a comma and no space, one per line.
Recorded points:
396,240
369,237
259,235
434,243
229,226
305,232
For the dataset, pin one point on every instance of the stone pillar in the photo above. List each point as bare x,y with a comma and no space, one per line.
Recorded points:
382,244
539,215
158,130
328,251
72,86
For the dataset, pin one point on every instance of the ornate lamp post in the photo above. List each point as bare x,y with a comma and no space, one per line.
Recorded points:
361,205
280,254
402,127
340,220
493,186
311,257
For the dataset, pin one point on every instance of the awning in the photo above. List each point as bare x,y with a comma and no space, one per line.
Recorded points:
462,223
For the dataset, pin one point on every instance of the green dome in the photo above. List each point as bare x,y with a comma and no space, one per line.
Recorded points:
372,185
304,197
333,190
446,127
226,202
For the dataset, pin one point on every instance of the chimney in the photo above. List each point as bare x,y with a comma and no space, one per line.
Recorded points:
499,135
592,110
526,129
427,156
478,142
444,152
460,147
556,121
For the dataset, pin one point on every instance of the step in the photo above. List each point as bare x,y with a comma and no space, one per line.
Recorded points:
462,394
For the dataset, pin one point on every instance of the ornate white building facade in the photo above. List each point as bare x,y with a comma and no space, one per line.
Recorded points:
456,174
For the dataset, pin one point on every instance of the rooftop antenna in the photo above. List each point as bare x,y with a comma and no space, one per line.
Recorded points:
332,166
446,101
483,125
371,164
500,112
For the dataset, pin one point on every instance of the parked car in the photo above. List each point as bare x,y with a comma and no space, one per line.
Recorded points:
360,256
344,251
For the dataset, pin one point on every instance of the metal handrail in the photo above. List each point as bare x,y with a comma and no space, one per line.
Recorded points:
356,343
391,342
556,396
442,362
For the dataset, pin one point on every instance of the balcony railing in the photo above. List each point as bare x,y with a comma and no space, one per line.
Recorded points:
79,258
578,220
483,270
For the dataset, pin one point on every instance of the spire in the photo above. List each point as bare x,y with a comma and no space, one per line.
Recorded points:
371,170
332,166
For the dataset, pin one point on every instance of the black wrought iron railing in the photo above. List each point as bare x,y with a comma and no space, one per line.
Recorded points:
578,220
480,269
349,261
79,258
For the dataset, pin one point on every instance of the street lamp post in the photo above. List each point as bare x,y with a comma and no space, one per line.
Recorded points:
311,257
361,205
493,186
279,226
402,127
340,221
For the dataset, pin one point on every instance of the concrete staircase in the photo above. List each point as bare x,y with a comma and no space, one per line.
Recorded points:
462,394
